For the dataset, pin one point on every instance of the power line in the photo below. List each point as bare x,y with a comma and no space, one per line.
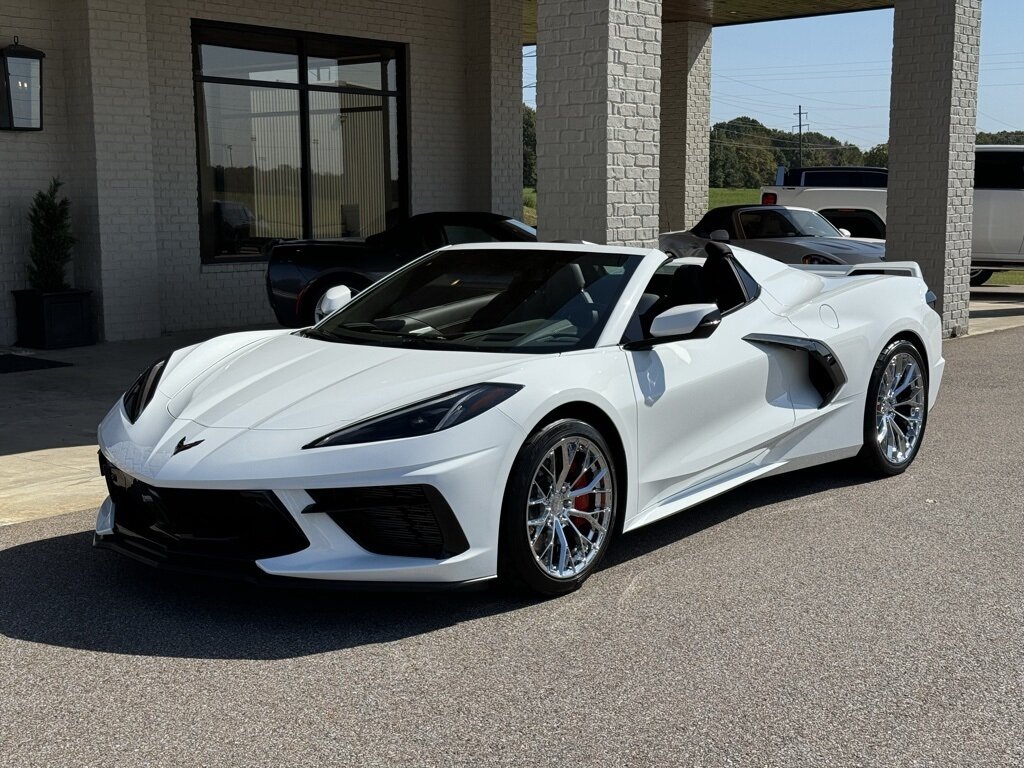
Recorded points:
998,120
784,93
774,135
862,75
826,147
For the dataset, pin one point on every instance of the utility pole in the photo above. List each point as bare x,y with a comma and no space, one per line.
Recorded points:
800,114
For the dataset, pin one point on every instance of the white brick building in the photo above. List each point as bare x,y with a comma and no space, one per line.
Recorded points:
180,153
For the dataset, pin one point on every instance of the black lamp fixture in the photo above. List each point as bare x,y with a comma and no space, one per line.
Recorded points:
22,88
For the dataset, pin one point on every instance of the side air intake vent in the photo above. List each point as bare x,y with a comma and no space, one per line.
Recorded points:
824,370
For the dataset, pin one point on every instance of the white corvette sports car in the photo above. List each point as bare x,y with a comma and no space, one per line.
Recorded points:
507,410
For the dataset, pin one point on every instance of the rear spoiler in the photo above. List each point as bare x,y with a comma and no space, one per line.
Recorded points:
895,268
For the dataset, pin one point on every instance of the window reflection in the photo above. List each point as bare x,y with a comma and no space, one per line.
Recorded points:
242,64
24,83
251,179
298,137
353,193
348,66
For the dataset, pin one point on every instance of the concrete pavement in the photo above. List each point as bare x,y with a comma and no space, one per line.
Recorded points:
996,308
815,619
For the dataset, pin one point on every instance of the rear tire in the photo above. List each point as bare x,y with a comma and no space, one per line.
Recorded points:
896,410
980,276
560,510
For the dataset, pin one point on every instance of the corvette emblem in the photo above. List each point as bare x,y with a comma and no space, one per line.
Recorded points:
183,446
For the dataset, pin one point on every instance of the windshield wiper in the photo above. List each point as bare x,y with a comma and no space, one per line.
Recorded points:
314,333
370,328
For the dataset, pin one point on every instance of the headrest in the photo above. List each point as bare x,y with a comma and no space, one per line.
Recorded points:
716,250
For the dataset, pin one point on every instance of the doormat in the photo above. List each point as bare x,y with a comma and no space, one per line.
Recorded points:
18,363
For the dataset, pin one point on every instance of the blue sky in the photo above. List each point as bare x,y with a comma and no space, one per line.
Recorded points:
838,67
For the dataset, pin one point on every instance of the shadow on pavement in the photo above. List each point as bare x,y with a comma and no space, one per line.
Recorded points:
1016,309
760,493
59,591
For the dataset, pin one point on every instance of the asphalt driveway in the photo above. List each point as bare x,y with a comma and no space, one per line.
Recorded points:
814,619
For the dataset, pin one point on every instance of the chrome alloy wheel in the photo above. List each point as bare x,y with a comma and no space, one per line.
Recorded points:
899,408
569,508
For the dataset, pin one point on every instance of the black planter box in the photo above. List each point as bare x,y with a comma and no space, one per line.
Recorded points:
54,320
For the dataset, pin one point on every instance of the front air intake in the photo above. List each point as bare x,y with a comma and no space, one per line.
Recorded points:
402,520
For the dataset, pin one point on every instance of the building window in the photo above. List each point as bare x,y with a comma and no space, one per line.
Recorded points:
299,136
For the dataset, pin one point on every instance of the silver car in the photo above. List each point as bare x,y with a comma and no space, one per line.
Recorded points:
790,235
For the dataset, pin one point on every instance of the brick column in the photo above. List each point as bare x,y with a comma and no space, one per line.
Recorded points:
685,123
598,102
494,73
115,216
931,146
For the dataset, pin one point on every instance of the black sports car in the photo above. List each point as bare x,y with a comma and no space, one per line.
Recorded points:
785,233
300,272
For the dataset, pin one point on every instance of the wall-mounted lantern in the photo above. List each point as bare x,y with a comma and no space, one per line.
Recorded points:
22,88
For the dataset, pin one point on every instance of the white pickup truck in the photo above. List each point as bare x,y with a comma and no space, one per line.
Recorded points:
855,199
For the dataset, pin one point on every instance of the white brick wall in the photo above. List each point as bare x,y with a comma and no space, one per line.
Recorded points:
931,146
30,160
129,147
494,78
127,217
598,112
685,124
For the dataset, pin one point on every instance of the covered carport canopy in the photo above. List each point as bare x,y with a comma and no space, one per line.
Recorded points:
623,121
721,13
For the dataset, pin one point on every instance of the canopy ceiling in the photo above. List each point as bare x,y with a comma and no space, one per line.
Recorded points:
721,13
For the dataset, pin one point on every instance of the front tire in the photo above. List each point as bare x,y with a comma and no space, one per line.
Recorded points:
560,510
896,411
980,276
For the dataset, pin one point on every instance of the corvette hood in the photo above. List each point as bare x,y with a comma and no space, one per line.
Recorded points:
844,248
291,382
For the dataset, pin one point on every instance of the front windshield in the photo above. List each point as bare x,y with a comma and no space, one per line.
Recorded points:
494,300
778,222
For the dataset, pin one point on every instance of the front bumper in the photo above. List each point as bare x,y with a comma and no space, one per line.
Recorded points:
466,467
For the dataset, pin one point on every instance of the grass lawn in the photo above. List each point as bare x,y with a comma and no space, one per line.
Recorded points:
720,196
530,206
1006,278
716,196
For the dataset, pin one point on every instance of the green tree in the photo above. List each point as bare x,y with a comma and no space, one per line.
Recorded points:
529,146
50,248
741,154
877,156
1001,137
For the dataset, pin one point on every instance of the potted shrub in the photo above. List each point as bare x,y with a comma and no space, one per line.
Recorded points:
50,314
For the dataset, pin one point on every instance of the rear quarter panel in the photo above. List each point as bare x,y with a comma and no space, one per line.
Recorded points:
870,311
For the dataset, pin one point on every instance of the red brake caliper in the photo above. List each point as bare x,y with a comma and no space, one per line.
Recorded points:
583,503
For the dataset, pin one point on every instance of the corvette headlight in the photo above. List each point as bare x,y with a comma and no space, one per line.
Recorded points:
814,258
422,418
141,392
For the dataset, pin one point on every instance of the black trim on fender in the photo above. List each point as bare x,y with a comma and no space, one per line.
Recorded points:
824,369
